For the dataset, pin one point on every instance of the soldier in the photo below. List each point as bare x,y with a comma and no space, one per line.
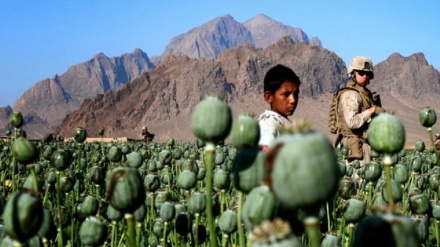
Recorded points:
357,106
147,136
437,141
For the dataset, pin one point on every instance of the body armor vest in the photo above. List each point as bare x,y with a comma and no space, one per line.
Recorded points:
355,138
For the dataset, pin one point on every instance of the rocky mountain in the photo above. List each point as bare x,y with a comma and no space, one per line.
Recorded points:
418,76
265,31
163,97
50,100
167,93
212,38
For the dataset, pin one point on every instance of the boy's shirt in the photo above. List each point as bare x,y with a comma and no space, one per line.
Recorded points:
268,121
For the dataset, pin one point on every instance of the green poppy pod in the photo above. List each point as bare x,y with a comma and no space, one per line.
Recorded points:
347,188
259,205
23,215
386,133
159,228
416,163
420,146
221,179
114,154
166,176
427,117
113,214
80,135
211,120
434,181
342,169
151,182
167,211
61,159
96,175
24,151
180,208
419,203
134,159
245,132
373,171
219,157
202,233
401,173
396,189
305,155
435,211
248,170
160,198
153,240
196,203
16,119
183,224
140,213
170,142
331,240
67,183
90,206
228,222
176,153
201,173
47,229
420,182
353,210
30,183
124,189
92,232
187,179
47,152
165,157
125,149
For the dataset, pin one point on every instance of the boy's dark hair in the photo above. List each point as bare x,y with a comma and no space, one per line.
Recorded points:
276,76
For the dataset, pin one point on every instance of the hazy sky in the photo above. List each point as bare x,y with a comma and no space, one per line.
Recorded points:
41,38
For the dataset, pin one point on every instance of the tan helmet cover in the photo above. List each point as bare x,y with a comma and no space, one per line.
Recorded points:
361,63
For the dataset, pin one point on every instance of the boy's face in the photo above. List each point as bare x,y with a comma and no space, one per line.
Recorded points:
285,99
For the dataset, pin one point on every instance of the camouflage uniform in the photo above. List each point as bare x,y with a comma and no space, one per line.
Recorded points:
354,117
437,141
269,121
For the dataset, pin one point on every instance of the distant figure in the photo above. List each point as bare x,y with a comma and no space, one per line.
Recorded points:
437,141
147,136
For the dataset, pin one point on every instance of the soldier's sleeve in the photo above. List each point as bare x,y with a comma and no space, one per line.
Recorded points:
351,105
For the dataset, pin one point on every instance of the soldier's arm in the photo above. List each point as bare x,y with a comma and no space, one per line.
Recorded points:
351,105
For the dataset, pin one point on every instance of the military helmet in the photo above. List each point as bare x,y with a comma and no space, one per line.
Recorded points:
362,64
437,135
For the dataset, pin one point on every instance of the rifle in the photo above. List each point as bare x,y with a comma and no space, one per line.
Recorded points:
376,99
338,140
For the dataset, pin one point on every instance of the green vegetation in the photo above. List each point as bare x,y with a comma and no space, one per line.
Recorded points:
206,193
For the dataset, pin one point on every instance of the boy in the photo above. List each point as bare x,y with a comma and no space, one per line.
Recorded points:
281,92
